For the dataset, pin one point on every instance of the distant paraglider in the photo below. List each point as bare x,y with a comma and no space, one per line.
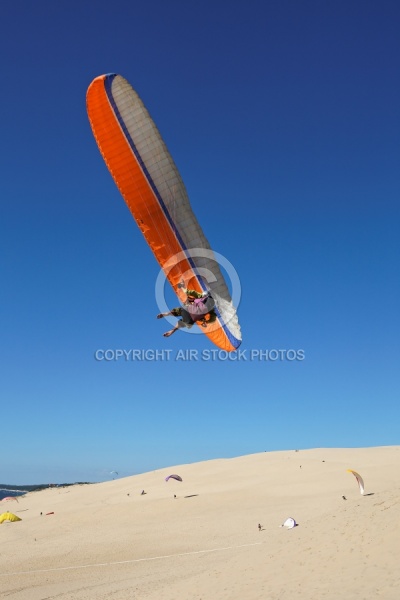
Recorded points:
359,480
177,477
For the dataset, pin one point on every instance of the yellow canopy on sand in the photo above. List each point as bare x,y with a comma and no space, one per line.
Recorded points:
7,516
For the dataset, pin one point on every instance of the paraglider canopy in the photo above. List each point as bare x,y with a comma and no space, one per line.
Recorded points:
289,523
173,477
154,192
359,480
7,516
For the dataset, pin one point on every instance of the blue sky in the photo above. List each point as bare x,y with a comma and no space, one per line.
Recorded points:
283,118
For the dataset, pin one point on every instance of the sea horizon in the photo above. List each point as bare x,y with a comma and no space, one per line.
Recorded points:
19,490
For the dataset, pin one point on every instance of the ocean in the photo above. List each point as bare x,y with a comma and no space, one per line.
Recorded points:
4,492
20,490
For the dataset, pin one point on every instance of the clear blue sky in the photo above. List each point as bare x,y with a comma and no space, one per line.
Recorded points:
283,118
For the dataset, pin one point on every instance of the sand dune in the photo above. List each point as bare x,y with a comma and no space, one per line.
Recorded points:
109,541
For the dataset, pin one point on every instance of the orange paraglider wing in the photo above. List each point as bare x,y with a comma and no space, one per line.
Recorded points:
150,184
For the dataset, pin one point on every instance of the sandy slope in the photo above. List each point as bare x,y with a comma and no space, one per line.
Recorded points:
108,541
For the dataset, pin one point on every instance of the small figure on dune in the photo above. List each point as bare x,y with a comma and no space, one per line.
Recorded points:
259,527
344,497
